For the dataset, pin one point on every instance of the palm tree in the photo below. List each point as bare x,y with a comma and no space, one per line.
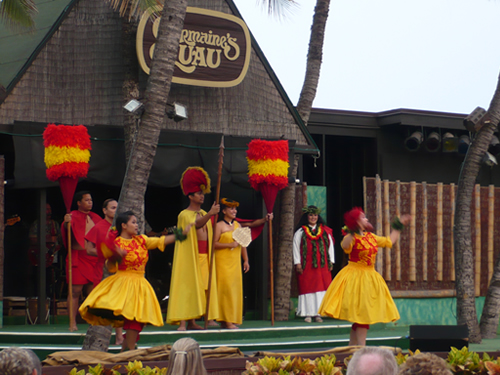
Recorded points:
307,95
466,308
18,13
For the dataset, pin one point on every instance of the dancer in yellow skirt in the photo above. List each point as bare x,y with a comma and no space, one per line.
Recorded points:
126,298
228,256
358,293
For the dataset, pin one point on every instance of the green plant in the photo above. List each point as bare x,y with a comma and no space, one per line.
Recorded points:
464,362
326,365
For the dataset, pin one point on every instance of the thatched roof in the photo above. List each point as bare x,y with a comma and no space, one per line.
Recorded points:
74,75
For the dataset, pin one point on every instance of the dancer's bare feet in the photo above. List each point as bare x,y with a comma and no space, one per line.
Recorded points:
194,326
73,327
212,323
229,325
119,339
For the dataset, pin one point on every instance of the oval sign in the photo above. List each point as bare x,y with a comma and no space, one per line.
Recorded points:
214,48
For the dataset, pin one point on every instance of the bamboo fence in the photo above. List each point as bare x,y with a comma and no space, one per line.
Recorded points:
423,261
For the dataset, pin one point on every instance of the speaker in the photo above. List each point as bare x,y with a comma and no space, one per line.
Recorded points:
438,338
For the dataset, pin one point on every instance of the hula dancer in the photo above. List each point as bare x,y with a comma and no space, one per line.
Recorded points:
126,298
189,282
228,256
313,258
358,293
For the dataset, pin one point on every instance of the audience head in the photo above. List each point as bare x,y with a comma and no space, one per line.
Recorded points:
425,364
18,361
372,360
185,358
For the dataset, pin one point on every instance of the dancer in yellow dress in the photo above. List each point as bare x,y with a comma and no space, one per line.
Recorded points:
228,254
126,298
358,293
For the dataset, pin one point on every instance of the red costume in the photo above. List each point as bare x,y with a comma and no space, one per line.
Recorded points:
83,265
97,235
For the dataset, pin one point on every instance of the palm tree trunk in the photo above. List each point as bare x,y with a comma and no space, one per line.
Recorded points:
157,91
464,260
307,95
491,310
285,255
314,59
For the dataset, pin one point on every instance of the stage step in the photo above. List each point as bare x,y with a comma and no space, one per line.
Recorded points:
251,337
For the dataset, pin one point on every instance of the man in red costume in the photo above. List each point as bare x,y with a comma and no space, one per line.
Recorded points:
83,265
94,239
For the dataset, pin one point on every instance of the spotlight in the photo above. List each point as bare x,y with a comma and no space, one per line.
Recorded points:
494,147
433,142
489,160
134,106
463,144
178,112
450,142
412,143
471,122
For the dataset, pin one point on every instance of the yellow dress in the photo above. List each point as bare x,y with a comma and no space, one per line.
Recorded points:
358,293
187,299
127,293
229,280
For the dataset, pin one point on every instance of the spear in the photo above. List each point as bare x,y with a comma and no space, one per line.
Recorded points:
212,253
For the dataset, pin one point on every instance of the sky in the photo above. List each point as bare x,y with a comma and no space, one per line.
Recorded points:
437,55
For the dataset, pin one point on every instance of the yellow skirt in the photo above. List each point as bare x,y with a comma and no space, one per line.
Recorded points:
126,294
360,295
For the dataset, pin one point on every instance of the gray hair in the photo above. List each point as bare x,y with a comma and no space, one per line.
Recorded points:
19,361
185,358
425,364
372,360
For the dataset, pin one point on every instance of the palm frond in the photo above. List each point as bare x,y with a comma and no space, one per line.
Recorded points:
135,8
279,8
18,13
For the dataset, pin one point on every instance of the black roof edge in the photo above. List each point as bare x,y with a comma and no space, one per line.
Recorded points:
37,50
281,90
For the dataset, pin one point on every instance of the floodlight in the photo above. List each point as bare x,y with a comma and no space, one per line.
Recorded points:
489,160
450,142
433,142
178,112
133,106
412,143
463,144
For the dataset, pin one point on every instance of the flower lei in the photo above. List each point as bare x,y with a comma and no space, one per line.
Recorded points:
318,238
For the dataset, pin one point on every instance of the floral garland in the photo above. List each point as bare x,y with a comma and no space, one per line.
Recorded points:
318,238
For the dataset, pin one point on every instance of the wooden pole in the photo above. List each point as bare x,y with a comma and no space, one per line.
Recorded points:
271,268
413,211
212,253
477,260
364,194
72,319
378,195
439,228
452,224
491,229
397,246
387,231
425,234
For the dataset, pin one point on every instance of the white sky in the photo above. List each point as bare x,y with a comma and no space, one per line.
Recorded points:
441,55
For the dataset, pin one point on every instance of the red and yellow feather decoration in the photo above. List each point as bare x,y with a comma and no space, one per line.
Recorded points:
268,168
67,155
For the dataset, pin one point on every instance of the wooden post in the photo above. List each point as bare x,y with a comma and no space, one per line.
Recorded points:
387,231
413,212
271,268
439,229
491,229
211,263
425,228
397,248
477,260
304,194
452,224
364,194
378,194
2,231
72,318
